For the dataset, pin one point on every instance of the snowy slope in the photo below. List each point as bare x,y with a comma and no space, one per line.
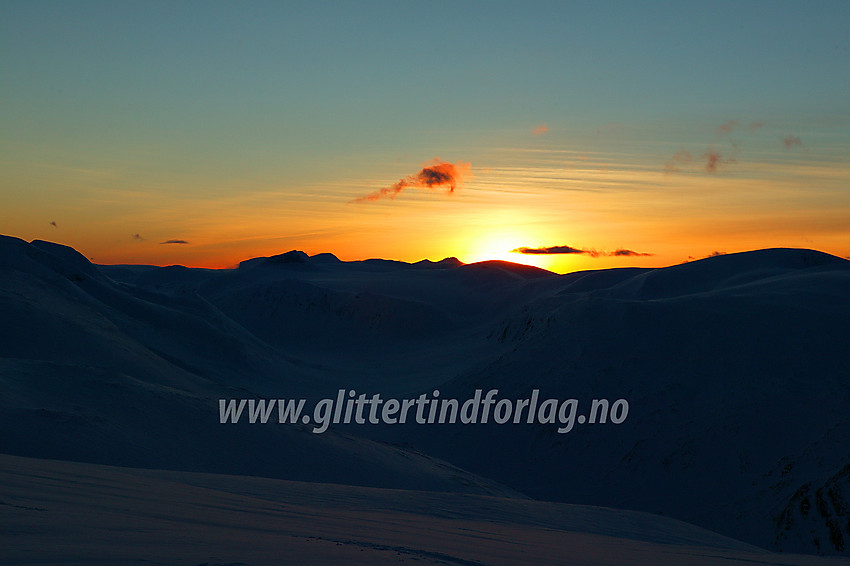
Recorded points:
65,513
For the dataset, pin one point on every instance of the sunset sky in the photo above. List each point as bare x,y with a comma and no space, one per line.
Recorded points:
624,133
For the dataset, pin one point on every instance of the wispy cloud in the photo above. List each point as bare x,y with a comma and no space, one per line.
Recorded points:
628,253
438,174
53,223
714,160
620,252
727,126
138,238
791,141
174,242
675,163
540,130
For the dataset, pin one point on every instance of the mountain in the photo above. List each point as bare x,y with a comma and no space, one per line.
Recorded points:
738,386
97,371
734,369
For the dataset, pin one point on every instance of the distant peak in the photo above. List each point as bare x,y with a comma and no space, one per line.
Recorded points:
450,262
293,256
519,269
325,258
442,264
796,258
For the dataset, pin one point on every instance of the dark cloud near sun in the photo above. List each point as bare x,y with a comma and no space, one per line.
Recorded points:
53,223
791,141
550,250
628,253
138,238
438,174
620,252
174,242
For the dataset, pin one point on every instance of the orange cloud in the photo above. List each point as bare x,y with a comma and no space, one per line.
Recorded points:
791,141
714,159
437,174
540,130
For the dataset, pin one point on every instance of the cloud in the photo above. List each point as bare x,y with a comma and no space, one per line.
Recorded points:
540,130
727,126
714,159
628,253
53,223
138,238
791,141
437,174
550,250
755,125
673,164
174,242
620,252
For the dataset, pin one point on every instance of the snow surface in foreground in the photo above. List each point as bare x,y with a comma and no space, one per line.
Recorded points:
55,512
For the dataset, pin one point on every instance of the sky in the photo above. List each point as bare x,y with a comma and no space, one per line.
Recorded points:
567,135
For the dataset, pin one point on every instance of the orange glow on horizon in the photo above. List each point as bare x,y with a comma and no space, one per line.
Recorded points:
673,218
499,246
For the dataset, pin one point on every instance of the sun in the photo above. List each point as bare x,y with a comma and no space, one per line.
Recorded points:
499,246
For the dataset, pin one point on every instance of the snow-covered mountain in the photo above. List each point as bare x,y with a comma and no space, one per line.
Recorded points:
97,371
734,368
738,381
